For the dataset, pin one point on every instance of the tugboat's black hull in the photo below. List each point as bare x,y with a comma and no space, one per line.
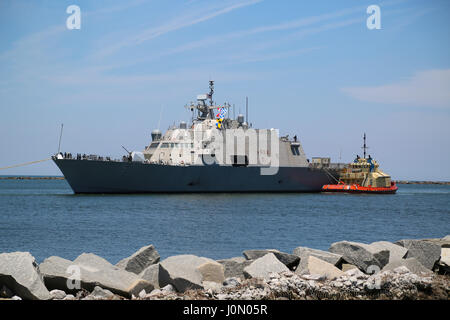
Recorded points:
90,176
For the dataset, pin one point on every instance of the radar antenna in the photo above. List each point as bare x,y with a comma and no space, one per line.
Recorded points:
211,91
364,147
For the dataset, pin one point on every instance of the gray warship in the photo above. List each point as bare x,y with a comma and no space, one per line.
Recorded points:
214,153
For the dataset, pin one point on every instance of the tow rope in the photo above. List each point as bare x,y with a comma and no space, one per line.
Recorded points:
24,164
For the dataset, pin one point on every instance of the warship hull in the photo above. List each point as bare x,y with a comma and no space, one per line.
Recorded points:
92,176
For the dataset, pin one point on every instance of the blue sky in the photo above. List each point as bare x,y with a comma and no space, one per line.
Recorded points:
310,68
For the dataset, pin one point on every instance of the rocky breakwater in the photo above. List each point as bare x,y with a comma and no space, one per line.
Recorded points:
406,269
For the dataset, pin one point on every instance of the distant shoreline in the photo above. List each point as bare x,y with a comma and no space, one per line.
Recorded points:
32,178
422,182
62,178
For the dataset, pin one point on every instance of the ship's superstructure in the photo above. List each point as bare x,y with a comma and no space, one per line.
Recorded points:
205,140
365,172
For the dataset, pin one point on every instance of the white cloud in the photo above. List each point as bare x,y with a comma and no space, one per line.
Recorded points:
426,88
182,21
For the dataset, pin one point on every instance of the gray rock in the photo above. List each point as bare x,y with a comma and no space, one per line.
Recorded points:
305,252
69,297
290,260
396,252
442,242
142,294
262,267
140,260
55,273
151,274
412,264
234,267
20,273
364,256
427,253
315,266
168,288
57,294
101,294
94,271
182,272
231,282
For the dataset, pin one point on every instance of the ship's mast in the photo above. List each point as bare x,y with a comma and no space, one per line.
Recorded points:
211,91
364,147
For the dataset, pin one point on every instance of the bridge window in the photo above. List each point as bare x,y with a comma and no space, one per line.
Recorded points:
295,150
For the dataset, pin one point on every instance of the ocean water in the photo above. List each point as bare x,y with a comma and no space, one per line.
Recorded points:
45,218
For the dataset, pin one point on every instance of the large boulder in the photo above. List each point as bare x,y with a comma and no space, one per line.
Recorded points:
187,271
290,260
412,264
262,267
396,252
305,252
234,267
364,256
151,274
426,252
315,266
56,272
93,271
138,261
20,273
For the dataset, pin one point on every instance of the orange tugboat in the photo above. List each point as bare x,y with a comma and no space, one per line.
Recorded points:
363,176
